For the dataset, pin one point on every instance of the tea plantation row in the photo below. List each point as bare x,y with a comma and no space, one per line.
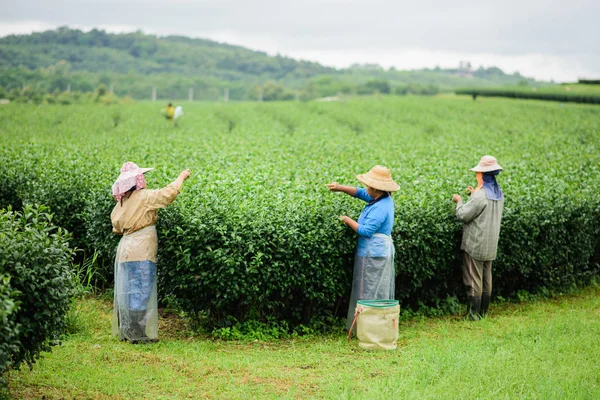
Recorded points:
565,93
35,287
254,233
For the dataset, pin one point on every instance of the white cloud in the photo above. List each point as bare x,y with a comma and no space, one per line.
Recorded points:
27,27
545,39
560,68
540,66
24,27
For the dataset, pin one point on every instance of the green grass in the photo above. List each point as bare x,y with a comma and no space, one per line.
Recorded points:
546,349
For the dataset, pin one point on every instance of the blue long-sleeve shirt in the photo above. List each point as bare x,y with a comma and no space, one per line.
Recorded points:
377,217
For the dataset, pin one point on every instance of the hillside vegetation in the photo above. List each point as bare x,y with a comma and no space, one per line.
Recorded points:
133,63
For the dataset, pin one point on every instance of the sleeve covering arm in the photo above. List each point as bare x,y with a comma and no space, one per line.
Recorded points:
156,199
361,193
372,222
466,212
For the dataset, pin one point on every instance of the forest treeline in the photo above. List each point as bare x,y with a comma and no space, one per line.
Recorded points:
133,64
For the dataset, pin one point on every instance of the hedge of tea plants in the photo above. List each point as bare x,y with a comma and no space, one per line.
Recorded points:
254,233
35,285
9,330
563,94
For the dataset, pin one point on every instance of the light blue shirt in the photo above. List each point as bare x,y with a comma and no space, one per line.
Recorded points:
374,218
377,217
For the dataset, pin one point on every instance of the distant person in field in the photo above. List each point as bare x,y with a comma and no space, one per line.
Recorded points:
169,112
374,273
481,215
135,315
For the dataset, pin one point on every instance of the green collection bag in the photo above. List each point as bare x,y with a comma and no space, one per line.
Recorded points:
376,324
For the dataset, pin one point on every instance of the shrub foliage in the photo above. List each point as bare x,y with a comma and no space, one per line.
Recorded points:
254,233
9,329
35,284
565,97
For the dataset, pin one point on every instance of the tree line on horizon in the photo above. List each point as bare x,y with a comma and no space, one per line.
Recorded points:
133,64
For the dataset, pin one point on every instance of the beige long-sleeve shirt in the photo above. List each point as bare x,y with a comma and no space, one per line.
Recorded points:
139,211
481,230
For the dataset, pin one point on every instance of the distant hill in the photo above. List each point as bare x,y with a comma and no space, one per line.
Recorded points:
98,51
133,63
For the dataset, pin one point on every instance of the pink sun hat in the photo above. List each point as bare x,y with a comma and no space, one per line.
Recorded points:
131,176
487,164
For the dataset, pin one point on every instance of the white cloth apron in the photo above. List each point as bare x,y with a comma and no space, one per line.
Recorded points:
374,274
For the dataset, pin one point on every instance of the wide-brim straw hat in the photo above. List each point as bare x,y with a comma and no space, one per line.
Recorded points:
487,164
379,178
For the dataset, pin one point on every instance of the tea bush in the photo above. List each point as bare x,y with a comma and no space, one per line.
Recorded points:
9,330
254,234
516,93
35,255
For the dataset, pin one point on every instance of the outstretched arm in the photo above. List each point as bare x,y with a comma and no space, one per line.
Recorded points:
336,187
466,212
350,190
370,224
350,222
156,199
182,177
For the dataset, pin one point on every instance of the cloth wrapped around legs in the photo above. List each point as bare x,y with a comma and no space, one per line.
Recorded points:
135,314
374,274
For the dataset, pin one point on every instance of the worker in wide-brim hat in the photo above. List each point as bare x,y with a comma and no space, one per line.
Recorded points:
481,216
374,273
135,315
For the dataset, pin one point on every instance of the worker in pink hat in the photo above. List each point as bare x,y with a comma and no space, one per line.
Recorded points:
135,315
481,216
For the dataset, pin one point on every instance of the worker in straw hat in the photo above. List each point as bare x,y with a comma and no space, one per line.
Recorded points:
481,215
135,315
374,273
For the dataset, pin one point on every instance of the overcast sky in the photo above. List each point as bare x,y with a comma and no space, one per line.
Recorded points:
550,39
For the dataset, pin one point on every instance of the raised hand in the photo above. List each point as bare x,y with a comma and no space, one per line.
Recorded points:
185,174
334,186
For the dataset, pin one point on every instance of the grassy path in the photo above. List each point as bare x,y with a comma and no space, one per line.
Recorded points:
546,350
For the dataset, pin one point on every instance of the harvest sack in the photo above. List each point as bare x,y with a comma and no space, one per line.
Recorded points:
376,324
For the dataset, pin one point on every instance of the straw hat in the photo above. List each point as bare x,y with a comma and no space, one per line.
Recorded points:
379,178
487,164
